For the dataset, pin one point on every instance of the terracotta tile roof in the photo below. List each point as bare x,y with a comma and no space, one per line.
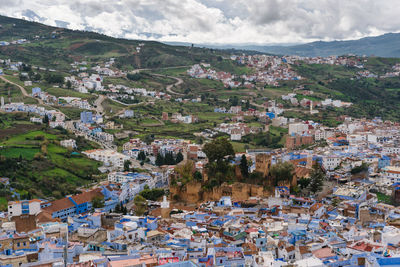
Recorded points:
87,196
59,204
66,203
44,217
323,253
290,248
304,250
316,206
302,172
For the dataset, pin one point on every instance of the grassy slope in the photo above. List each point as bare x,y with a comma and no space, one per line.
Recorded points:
60,49
56,166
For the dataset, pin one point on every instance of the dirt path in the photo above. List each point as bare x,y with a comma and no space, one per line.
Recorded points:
23,91
256,105
169,87
98,104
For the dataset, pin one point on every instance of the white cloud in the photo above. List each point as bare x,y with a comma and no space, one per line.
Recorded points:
222,21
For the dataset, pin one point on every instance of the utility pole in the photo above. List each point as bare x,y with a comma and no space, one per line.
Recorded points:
66,247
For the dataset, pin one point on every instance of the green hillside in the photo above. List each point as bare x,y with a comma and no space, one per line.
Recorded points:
36,163
58,47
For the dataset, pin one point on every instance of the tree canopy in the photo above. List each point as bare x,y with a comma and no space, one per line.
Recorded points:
140,205
317,179
244,167
282,172
218,149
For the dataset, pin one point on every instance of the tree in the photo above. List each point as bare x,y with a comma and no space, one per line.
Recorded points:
141,156
148,139
46,119
37,77
303,182
140,205
185,171
124,210
69,84
179,158
152,194
244,168
134,76
234,101
282,172
218,149
358,169
127,164
169,159
317,179
117,208
197,176
54,78
335,202
97,202
159,159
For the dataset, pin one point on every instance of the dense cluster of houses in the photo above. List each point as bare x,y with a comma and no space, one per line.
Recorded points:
47,98
305,102
279,230
15,42
163,146
268,69
56,118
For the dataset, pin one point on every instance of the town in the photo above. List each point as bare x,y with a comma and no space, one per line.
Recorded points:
228,159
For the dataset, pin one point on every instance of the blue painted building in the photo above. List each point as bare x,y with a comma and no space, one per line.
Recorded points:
73,205
36,91
383,162
86,117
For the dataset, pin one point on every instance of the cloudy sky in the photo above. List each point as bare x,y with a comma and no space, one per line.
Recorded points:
217,21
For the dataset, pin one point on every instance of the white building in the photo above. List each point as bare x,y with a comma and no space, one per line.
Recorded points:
69,143
105,136
331,162
357,138
24,207
297,128
108,157
392,173
322,134
391,150
236,135
36,120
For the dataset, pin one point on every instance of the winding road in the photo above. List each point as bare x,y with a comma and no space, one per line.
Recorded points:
169,87
23,91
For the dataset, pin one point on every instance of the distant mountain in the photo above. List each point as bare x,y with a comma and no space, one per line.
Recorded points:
387,45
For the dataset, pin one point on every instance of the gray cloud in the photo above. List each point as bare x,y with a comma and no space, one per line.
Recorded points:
217,21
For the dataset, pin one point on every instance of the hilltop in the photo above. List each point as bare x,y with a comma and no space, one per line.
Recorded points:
56,47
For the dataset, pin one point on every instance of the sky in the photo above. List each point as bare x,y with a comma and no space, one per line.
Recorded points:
217,21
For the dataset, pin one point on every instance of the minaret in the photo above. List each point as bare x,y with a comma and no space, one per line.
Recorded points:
165,208
2,101
311,107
